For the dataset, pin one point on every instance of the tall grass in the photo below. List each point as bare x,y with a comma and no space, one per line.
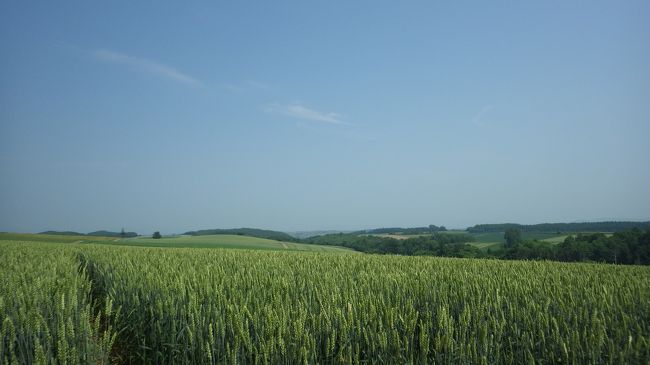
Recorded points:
60,304
186,306
46,313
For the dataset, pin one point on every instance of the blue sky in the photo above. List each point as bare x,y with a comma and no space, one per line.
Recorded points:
322,115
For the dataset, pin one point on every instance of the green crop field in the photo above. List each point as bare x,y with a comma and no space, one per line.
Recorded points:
488,237
542,235
493,237
207,241
51,238
222,241
498,236
556,239
486,245
88,303
47,314
495,240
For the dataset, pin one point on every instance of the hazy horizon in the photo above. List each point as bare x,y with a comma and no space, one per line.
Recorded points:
298,116
349,229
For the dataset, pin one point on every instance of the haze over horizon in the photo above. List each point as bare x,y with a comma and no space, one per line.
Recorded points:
300,116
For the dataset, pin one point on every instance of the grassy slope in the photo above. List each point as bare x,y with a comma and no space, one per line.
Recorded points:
492,239
51,238
212,241
486,245
556,239
223,241
495,239
483,241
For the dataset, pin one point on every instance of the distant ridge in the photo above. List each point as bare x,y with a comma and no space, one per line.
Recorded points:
93,234
306,234
112,234
251,232
561,227
63,233
399,230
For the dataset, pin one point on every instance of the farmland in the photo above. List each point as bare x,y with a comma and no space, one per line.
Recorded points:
4,236
492,240
208,241
92,302
46,309
497,237
488,242
221,241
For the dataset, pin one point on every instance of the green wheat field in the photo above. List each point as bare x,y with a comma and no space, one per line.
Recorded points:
99,303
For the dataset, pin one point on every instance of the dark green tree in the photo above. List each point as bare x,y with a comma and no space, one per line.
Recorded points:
156,235
512,237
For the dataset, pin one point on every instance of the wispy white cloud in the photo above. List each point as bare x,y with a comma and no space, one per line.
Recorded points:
477,120
146,65
300,111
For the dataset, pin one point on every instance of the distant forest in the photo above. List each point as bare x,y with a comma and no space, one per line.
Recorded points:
94,234
438,244
405,231
251,232
625,247
631,247
630,244
560,227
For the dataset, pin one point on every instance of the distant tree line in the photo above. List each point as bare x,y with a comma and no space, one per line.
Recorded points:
121,234
560,227
250,232
625,247
630,247
405,231
438,244
63,233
